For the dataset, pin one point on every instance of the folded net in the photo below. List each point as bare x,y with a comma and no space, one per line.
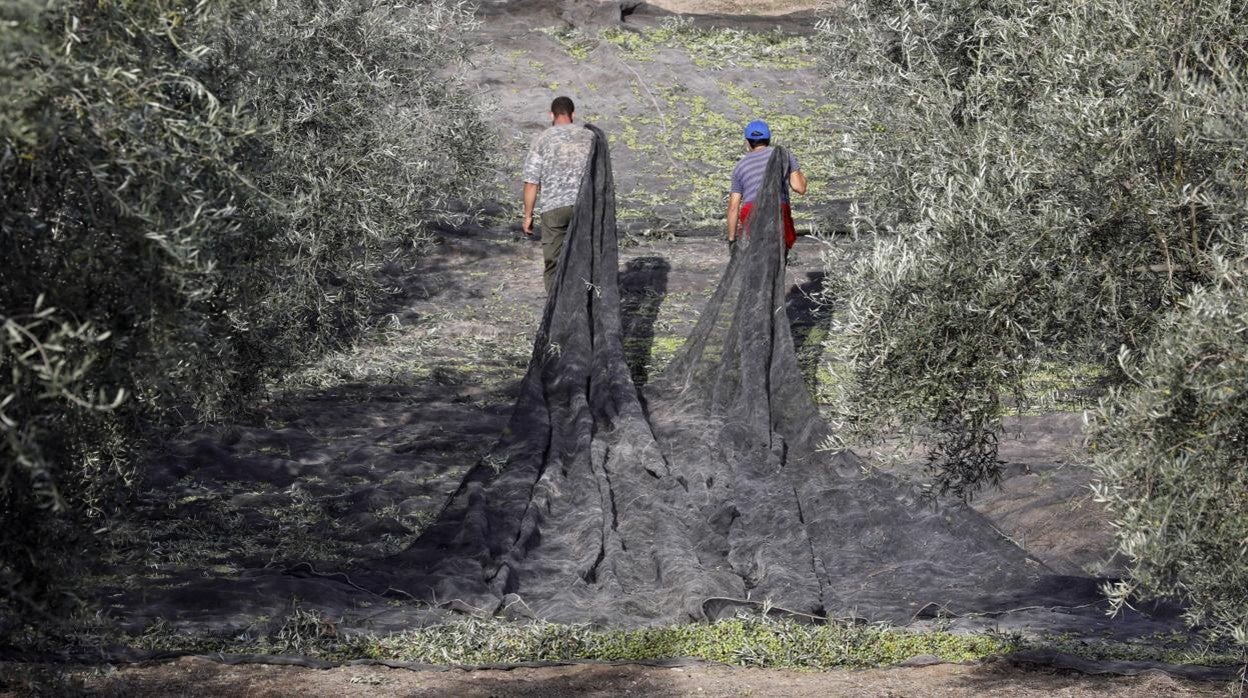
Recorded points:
709,495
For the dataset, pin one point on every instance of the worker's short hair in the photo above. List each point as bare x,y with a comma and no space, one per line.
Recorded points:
562,106
755,142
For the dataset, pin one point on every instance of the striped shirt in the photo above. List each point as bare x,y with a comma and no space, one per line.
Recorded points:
747,176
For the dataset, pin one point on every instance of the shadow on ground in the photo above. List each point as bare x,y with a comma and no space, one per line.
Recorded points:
809,320
643,286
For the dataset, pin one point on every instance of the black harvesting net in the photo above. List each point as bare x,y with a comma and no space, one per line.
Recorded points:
710,495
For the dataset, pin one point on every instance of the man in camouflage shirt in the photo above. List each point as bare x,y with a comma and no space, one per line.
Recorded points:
552,179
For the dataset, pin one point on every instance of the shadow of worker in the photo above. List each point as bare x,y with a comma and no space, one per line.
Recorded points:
810,318
643,286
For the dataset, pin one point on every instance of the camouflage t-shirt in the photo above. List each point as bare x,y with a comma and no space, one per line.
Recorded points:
556,162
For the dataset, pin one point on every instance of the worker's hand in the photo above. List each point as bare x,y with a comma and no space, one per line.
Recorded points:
528,226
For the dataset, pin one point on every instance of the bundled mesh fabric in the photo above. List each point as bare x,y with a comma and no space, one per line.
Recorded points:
542,534
711,496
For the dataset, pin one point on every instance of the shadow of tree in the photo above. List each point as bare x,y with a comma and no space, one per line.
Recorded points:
643,286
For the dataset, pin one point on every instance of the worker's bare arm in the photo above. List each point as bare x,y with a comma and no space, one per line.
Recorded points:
734,209
530,200
797,180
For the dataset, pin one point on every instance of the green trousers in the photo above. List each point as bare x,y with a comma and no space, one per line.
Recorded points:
555,224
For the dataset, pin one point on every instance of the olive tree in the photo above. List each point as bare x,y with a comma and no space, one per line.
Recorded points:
1047,182
196,196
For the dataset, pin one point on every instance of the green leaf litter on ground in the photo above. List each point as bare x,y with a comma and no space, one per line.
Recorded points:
713,48
747,641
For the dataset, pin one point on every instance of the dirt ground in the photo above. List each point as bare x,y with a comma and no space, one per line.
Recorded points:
728,7
419,431
353,455
199,677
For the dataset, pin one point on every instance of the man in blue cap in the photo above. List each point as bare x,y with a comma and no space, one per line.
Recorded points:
747,178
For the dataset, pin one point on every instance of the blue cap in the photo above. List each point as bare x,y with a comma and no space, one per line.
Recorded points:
757,130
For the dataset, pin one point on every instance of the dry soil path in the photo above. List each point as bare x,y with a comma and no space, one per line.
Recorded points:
197,677
354,454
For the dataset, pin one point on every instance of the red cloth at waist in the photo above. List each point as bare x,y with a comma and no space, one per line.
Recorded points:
790,232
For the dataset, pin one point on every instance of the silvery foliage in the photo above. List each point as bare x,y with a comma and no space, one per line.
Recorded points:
369,133
1047,182
1171,449
194,197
